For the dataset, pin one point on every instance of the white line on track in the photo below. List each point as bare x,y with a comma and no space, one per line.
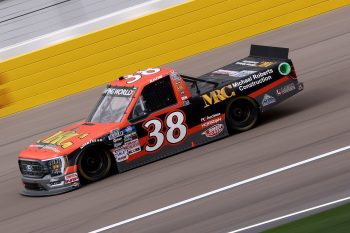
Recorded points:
216,191
290,215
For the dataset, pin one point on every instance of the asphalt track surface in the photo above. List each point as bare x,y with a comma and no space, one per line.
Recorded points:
314,122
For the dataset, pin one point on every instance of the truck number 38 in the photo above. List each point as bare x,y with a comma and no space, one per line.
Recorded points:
175,131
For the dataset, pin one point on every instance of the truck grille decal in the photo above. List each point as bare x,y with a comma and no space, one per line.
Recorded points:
31,168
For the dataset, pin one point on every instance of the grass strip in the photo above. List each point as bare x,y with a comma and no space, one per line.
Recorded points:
336,220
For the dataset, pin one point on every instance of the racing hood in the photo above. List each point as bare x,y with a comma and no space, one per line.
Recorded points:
67,140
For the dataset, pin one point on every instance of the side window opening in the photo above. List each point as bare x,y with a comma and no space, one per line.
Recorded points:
191,85
197,86
154,97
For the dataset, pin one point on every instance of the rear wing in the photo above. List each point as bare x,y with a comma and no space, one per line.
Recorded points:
261,59
268,52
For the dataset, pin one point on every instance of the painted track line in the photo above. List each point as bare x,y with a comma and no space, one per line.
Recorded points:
291,215
216,191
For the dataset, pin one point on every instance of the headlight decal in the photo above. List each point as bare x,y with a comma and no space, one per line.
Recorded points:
57,165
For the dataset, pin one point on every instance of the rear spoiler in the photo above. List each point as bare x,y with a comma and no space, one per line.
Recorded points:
267,51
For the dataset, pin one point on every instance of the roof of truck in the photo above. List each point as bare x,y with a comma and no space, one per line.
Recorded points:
143,77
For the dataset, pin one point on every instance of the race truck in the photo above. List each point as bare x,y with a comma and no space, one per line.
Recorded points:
156,113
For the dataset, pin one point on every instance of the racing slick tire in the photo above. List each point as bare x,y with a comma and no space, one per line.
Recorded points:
242,114
94,164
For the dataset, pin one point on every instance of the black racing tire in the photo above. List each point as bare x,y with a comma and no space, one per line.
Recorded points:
94,164
242,114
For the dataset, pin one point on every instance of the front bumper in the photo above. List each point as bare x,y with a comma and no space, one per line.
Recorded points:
48,185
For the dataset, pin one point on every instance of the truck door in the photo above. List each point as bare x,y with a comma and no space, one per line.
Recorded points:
159,121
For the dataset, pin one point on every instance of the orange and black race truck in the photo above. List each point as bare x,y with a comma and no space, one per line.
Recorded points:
155,113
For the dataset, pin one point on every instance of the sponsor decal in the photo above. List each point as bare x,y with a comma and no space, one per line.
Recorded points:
300,86
70,178
132,146
180,88
285,89
213,130
46,147
175,76
155,79
119,137
253,80
184,97
118,142
218,95
264,64
213,116
186,102
211,120
75,185
60,138
114,134
56,182
228,72
130,136
233,73
121,155
119,91
129,129
244,73
247,63
91,141
203,119
267,100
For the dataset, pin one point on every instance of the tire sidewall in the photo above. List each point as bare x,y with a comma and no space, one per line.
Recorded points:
254,115
107,158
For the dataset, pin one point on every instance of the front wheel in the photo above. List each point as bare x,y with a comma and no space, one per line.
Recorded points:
94,164
242,114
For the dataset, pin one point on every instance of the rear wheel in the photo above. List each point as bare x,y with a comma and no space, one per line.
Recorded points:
94,164
242,114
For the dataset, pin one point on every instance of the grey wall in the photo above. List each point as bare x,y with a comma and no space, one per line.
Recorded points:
21,20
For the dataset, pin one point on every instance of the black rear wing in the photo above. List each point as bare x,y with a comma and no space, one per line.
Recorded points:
268,51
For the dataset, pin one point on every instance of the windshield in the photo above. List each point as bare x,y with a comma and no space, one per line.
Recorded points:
113,104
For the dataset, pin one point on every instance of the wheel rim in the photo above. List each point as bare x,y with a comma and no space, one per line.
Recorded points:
240,113
94,164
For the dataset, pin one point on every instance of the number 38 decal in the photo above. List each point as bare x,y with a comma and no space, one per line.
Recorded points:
138,75
175,132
